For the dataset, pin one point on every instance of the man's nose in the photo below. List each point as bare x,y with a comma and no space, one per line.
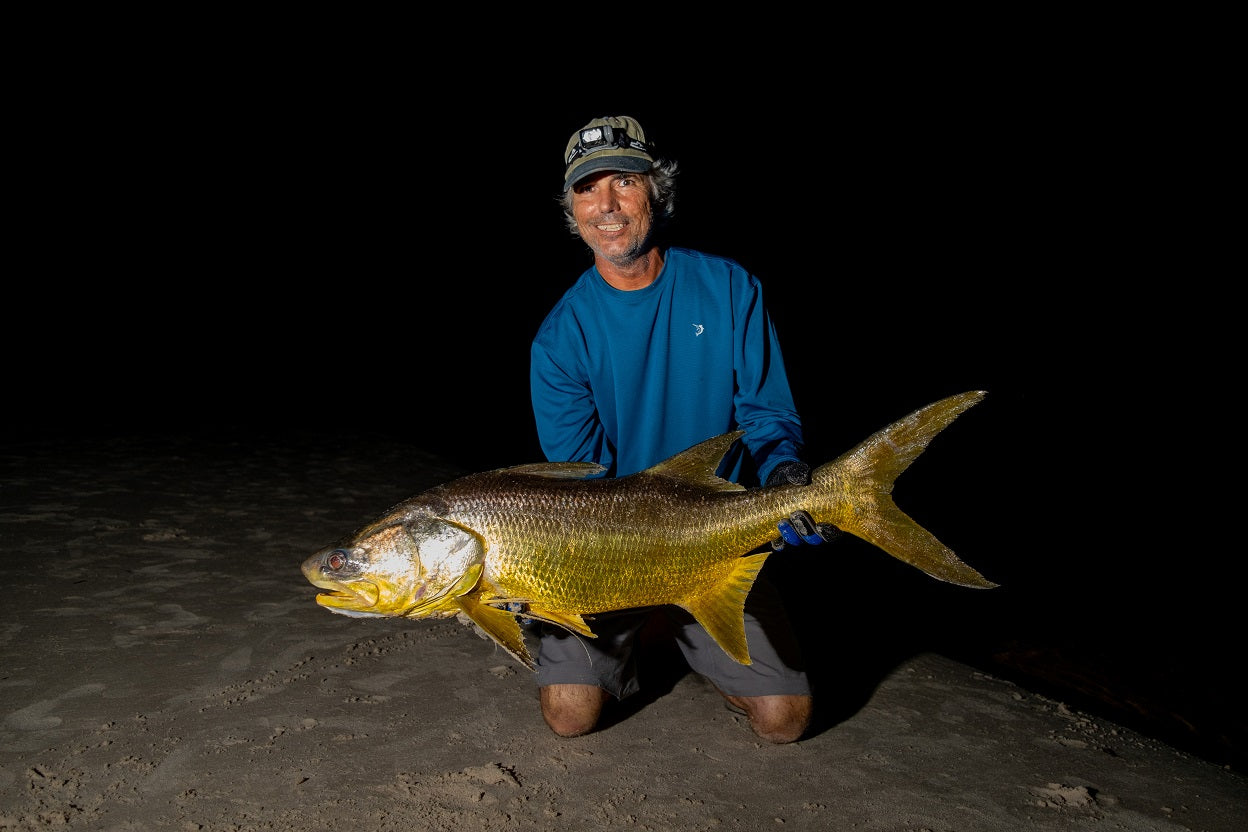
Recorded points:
605,199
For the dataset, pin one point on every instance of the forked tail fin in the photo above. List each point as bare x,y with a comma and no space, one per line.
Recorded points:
870,470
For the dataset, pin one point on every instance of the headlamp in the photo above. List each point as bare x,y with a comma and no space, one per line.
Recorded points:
597,138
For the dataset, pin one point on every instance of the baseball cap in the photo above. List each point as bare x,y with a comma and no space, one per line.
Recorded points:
607,143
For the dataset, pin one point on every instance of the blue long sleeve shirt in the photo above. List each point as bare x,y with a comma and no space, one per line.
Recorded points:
629,378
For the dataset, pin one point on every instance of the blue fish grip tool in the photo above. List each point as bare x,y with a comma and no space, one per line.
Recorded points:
799,527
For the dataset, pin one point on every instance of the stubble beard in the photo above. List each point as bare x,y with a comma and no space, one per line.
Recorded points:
634,251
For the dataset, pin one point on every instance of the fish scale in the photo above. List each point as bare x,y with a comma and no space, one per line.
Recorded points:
529,559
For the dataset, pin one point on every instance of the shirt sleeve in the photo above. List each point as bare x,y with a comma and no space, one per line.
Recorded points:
764,402
564,411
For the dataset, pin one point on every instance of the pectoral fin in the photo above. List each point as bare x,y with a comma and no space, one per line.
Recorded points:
721,611
447,602
498,624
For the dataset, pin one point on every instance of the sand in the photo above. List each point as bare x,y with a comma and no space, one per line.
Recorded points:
166,668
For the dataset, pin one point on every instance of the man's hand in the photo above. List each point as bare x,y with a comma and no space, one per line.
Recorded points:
790,473
801,528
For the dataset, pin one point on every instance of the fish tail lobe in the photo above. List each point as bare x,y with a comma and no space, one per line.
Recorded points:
868,473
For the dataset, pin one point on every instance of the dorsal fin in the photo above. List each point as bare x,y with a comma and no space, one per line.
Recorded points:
697,465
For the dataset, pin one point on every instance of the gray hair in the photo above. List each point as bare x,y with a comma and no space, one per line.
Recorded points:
662,181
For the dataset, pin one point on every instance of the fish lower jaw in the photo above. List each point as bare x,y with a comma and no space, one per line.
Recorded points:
348,603
369,605
348,611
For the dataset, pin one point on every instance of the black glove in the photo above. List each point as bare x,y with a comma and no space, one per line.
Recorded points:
790,473
801,528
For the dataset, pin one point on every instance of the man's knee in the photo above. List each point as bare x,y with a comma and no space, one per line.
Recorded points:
572,710
778,719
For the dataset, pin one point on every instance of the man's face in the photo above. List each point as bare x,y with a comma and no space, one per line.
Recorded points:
613,214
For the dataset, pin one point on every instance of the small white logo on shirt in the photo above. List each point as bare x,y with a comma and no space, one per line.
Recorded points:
697,330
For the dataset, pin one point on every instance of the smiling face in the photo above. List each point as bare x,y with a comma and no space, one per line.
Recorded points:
614,215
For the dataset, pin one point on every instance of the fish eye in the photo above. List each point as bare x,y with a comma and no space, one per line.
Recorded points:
336,560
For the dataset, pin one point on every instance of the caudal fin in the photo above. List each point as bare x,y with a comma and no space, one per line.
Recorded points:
870,470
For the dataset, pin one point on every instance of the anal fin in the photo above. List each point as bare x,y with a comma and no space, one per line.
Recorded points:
721,611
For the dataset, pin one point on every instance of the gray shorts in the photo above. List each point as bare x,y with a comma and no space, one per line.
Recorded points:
608,661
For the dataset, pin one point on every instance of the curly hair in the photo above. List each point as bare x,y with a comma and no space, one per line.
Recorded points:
662,181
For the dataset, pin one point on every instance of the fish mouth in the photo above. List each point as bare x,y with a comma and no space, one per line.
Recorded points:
362,596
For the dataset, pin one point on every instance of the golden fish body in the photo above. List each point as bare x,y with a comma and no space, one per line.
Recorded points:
565,546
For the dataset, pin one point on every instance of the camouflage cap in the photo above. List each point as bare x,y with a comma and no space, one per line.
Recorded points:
607,143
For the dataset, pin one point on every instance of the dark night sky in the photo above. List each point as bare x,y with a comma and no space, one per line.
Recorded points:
275,253
249,255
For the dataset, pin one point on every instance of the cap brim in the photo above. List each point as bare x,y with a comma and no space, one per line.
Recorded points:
634,164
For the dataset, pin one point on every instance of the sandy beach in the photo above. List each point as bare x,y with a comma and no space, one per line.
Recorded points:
166,668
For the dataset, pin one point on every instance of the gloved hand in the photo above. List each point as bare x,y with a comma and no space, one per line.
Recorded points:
790,473
801,528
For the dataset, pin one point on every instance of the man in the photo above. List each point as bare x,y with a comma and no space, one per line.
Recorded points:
652,350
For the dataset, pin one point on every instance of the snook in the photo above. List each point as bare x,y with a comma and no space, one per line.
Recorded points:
564,546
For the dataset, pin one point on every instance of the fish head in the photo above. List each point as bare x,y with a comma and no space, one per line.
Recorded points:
413,565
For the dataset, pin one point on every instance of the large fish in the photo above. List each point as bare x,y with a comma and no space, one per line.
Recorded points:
560,546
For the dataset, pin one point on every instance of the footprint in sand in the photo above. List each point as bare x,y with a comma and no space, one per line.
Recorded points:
240,659
34,717
179,622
